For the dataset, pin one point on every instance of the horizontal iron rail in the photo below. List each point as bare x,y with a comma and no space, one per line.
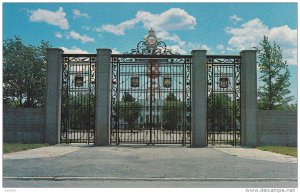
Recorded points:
223,56
150,56
79,55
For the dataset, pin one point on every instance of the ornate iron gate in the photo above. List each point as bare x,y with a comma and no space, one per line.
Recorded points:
151,95
223,100
78,98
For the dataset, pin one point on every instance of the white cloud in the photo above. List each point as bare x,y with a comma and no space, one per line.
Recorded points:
53,18
164,35
115,51
220,47
118,29
177,49
223,49
74,50
87,28
229,49
251,33
82,38
188,47
77,13
277,34
288,44
180,46
172,19
197,46
235,19
248,36
58,35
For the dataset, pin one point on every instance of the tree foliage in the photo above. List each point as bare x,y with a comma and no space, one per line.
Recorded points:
79,110
172,112
129,109
220,109
24,73
288,107
273,94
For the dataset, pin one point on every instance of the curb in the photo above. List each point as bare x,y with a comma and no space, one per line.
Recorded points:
288,159
147,179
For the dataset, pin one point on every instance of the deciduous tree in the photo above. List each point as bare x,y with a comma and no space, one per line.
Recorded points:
24,73
129,109
172,112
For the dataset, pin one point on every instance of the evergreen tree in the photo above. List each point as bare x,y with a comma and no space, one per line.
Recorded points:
273,94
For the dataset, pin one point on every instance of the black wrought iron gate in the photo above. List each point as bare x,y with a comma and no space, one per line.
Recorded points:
78,98
151,95
223,100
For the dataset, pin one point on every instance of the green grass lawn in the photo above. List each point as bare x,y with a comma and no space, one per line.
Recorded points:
292,151
14,147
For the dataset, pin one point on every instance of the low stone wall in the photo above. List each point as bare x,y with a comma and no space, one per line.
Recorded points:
27,125
277,127
23,125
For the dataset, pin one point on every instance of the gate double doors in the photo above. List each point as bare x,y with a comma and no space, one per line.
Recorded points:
151,99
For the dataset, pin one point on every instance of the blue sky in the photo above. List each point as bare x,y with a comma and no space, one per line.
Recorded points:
220,28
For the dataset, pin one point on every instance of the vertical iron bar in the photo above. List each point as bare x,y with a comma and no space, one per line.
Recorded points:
151,84
183,129
118,101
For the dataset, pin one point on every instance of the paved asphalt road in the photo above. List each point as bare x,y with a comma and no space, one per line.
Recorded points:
148,184
142,166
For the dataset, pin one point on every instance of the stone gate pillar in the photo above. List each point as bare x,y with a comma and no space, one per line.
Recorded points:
248,98
199,99
53,97
103,101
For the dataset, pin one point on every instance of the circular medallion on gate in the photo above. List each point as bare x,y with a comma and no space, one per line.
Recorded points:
151,39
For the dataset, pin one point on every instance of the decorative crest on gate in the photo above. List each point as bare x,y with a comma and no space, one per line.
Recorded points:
151,45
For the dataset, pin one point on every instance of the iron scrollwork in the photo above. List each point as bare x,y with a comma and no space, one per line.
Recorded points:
223,102
162,75
78,99
151,45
